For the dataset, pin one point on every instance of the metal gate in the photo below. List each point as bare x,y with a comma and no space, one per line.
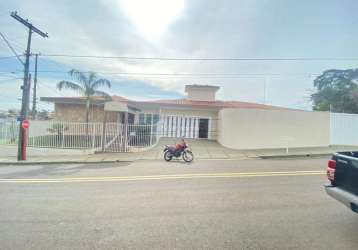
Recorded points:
180,126
129,138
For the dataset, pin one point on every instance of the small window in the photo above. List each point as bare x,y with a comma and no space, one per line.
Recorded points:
148,119
141,118
155,118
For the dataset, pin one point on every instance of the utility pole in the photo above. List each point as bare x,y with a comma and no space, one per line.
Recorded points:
28,93
34,90
25,87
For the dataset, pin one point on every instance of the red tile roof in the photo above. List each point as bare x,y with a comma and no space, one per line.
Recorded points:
171,102
213,104
119,98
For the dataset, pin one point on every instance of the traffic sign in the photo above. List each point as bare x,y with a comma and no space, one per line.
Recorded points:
25,124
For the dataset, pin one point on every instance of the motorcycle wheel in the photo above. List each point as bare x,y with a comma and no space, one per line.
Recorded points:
168,156
188,156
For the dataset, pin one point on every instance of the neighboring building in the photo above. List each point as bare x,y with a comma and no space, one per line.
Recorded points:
193,117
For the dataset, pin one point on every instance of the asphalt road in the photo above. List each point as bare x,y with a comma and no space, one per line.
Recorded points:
248,204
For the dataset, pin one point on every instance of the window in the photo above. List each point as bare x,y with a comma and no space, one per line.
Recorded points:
148,119
141,118
155,118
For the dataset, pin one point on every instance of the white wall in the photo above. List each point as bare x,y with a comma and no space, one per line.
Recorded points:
344,129
255,128
201,92
201,95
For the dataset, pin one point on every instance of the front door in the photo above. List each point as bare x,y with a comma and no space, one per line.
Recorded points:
203,128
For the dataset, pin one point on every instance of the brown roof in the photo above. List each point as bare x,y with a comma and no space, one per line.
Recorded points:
171,102
120,98
214,104
71,100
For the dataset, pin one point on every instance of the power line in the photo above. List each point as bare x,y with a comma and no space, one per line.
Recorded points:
181,74
10,79
8,57
11,48
53,90
205,59
8,73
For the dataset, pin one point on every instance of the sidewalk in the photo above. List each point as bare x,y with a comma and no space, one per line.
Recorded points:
210,152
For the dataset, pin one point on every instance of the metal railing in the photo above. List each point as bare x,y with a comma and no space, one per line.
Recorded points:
113,137
58,134
9,132
129,138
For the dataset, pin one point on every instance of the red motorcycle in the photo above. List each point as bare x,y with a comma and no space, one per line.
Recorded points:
180,150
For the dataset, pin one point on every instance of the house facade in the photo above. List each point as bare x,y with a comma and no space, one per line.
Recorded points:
201,115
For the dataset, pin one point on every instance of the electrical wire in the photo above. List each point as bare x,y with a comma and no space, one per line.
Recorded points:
53,90
11,48
204,59
10,79
214,75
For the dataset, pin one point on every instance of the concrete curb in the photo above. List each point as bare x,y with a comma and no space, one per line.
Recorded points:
293,156
7,163
61,162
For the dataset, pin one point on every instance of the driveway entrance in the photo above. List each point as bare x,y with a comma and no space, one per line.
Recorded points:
202,149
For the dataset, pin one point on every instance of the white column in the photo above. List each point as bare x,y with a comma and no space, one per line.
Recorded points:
174,126
182,134
192,120
196,130
170,126
188,127
165,126
178,126
209,129
151,129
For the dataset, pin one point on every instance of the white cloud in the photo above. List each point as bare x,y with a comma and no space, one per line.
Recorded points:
162,28
152,18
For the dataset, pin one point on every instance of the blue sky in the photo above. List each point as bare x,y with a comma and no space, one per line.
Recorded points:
185,29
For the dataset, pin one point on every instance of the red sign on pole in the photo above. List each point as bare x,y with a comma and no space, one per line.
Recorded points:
25,124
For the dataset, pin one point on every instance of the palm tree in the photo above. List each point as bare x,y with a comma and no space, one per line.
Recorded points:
88,85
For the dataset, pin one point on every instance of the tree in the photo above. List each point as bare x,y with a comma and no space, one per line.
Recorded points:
336,90
87,86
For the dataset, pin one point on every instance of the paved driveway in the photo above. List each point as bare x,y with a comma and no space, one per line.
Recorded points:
202,149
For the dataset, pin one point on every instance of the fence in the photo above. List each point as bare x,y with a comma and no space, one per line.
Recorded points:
9,132
344,129
53,134
113,137
129,138
116,137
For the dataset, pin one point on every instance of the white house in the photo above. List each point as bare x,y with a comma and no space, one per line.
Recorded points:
234,124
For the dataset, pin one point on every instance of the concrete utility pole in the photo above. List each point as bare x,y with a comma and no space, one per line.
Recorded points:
34,90
25,87
28,92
